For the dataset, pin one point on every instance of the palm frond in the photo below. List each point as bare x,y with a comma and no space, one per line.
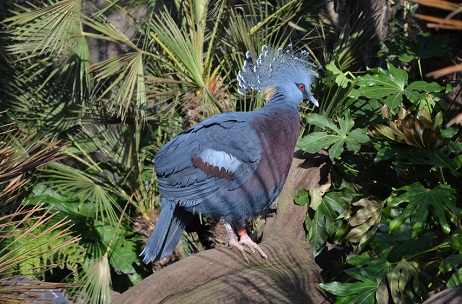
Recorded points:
20,160
50,41
191,48
348,48
86,187
179,48
18,155
54,29
97,287
122,83
105,30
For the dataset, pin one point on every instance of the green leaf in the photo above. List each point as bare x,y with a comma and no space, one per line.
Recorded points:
336,138
363,291
87,188
425,46
455,279
455,241
321,121
323,218
439,159
374,272
402,47
411,247
387,85
450,263
355,138
359,260
122,253
428,45
344,299
53,29
302,197
340,78
365,221
420,199
418,90
314,142
122,258
123,76
370,279
323,223
401,275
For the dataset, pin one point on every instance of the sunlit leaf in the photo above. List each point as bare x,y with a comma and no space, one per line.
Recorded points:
340,78
403,274
455,279
29,239
450,263
324,221
302,197
127,82
455,241
387,85
122,258
51,29
363,292
122,253
419,90
335,139
365,220
98,281
51,43
391,85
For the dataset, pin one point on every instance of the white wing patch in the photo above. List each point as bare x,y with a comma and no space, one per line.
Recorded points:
220,159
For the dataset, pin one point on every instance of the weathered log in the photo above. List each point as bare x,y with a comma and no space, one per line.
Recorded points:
220,275
451,295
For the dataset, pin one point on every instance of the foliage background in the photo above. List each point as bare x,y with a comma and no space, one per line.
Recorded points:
92,89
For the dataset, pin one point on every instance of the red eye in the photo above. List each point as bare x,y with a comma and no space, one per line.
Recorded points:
301,87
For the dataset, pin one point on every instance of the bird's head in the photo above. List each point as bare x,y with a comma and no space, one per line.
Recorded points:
282,71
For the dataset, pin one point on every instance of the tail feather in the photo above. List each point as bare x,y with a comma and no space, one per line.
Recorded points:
167,233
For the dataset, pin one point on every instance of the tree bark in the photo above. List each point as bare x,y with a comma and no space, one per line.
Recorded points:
290,275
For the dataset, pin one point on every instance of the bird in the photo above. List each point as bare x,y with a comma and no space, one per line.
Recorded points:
233,165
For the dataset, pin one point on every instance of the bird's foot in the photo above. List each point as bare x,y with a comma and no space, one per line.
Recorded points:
233,242
245,240
246,245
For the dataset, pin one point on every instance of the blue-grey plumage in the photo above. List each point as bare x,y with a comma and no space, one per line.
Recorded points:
233,165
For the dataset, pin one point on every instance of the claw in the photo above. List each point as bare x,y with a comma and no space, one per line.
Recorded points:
244,245
247,241
234,243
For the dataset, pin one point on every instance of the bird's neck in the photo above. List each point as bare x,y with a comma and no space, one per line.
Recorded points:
280,121
279,100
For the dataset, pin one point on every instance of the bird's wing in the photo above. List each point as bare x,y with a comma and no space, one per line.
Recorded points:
222,151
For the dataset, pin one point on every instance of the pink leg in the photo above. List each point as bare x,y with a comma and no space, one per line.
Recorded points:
245,240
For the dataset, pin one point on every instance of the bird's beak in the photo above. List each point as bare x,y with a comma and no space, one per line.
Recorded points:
310,97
